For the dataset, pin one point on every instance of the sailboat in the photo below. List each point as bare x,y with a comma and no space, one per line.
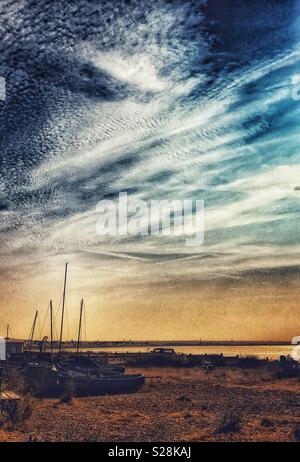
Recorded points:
87,376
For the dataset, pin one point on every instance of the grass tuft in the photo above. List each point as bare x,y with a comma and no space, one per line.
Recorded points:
68,393
229,422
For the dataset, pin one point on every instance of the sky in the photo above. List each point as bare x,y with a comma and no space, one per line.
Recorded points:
161,100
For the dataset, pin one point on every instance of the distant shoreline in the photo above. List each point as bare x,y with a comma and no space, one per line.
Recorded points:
107,344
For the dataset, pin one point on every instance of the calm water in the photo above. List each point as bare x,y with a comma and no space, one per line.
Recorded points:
264,351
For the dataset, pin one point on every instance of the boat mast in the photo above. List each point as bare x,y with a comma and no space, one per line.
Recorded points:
51,328
63,309
79,328
32,331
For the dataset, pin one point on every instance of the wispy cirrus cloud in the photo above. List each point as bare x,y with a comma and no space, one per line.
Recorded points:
162,101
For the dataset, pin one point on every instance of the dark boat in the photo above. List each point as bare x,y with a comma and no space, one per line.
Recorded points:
86,376
95,384
89,366
164,351
103,366
53,381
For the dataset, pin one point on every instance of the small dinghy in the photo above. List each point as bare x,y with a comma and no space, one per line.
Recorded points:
53,381
85,376
92,366
95,384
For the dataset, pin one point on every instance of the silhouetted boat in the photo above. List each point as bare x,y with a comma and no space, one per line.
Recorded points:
95,384
53,381
93,366
164,351
87,376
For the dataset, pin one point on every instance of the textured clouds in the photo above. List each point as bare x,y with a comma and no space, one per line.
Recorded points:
164,100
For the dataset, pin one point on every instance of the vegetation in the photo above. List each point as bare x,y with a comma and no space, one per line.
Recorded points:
68,393
229,421
15,413
296,432
266,422
13,380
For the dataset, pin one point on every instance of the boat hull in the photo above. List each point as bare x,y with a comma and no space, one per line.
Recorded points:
54,383
105,385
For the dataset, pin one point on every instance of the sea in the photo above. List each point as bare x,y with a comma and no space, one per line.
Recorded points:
271,352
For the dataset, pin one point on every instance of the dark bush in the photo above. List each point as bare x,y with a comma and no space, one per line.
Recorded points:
13,380
229,421
15,413
68,393
296,432
266,422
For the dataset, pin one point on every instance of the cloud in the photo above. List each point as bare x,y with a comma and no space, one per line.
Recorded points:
161,101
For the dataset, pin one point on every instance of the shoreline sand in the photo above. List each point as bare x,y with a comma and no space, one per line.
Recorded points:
175,404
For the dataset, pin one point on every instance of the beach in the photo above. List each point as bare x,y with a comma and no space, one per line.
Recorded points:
175,404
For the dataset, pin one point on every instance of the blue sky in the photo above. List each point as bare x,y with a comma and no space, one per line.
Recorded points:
189,100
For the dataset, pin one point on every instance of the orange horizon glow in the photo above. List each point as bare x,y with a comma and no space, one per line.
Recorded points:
143,309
